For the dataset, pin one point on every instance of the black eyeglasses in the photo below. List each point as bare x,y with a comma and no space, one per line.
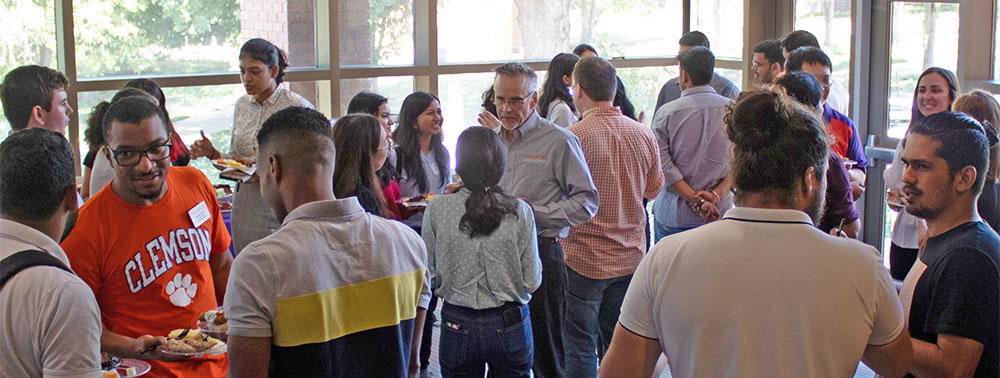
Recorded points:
127,158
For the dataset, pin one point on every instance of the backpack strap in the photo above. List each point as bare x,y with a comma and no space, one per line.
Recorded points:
17,262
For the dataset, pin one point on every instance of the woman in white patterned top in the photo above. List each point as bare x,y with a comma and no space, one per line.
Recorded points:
482,254
262,69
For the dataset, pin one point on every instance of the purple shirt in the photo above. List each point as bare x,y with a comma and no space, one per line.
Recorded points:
839,200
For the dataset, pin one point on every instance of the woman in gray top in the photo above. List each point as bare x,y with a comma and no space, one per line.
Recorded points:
483,258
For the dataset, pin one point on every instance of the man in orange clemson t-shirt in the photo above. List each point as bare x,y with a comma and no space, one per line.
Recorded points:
152,244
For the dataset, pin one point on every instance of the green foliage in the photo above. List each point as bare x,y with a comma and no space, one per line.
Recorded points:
176,23
389,20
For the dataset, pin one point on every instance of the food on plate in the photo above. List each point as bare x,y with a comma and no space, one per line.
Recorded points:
110,374
109,362
238,163
186,340
214,321
225,206
420,198
130,371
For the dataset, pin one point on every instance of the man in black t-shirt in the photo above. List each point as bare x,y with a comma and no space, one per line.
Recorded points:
952,293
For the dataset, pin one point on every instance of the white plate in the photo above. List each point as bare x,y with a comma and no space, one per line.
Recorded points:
141,367
415,204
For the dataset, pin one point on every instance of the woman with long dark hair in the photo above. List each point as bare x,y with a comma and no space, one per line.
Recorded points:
982,106
179,153
554,102
937,88
422,162
362,146
483,259
262,70
378,106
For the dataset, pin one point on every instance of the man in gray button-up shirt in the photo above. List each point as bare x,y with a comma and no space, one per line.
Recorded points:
546,168
694,151
672,89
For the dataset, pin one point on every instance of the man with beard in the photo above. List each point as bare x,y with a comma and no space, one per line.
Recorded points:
952,293
763,293
154,248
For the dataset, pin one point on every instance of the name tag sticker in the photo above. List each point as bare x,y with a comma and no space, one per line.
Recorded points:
199,214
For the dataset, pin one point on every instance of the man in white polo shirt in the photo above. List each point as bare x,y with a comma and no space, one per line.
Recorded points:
762,292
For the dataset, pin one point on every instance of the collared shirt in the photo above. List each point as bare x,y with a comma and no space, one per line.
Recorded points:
336,289
625,165
437,181
50,324
546,168
485,271
672,89
714,295
249,115
694,148
847,142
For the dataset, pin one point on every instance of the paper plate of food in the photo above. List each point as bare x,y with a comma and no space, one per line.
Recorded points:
417,201
192,343
238,163
214,323
114,367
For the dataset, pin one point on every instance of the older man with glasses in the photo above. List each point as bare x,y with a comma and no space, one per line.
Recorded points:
546,168
153,248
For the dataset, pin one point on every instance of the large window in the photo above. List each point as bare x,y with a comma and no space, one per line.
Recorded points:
26,39
830,22
376,32
923,35
722,22
532,30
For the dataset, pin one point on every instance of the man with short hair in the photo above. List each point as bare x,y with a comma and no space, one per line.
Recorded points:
952,293
672,90
153,248
50,324
35,96
768,61
621,100
763,293
546,168
694,152
838,96
602,254
278,325
847,142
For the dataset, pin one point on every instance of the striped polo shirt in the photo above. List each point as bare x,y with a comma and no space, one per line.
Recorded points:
336,289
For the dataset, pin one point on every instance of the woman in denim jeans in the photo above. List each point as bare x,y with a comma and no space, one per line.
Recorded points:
483,258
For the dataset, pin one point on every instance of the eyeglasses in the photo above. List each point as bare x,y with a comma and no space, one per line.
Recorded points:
127,158
755,64
512,101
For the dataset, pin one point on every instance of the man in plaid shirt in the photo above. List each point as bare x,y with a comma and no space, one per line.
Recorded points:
602,254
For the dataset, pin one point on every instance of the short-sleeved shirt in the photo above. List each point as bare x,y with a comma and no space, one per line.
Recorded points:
149,265
954,288
847,142
762,293
50,324
485,271
249,115
335,288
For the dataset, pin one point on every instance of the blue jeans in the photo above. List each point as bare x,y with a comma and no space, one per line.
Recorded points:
592,309
472,339
660,231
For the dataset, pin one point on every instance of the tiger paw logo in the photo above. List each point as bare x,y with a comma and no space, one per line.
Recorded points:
181,290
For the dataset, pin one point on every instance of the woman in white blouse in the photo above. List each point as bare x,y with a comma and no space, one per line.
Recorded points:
422,162
262,69
554,102
936,90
